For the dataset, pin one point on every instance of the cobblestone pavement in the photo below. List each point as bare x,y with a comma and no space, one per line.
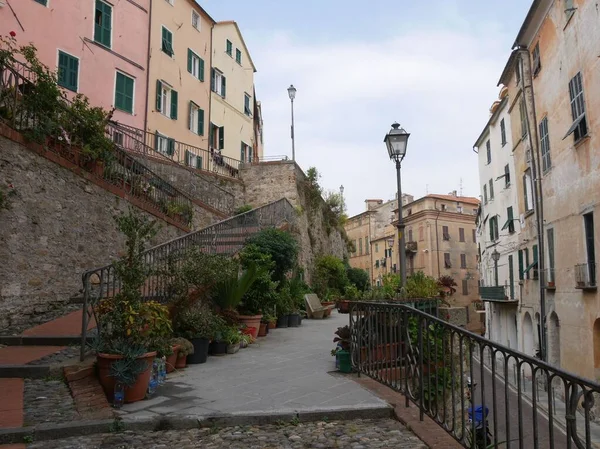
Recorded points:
58,357
48,401
358,434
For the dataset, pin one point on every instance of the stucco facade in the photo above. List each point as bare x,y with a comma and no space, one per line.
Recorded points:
498,224
232,96
179,86
97,42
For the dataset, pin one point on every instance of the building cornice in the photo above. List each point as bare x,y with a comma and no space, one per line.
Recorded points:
492,119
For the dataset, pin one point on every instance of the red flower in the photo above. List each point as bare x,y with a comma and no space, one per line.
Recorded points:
13,34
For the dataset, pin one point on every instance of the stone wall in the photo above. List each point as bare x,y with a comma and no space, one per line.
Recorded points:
268,182
58,226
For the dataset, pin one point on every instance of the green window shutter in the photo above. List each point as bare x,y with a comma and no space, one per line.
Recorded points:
211,135
229,49
492,228
526,253
243,154
198,161
158,95
221,137
201,71
124,93
156,141
174,104
187,157
190,60
535,253
102,23
223,88
200,122
68,71
167,42
212,80
191,116
521,265
238,56
511,277
170,147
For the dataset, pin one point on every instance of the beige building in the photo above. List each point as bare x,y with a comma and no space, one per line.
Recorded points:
179,80
232,126
440,235
554,86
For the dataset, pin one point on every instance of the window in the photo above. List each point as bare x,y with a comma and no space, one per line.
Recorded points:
409,212
443,208
238,56
523,114
360,248
503,132
376,247
537,65
42,2
195,65
216,136
527,193
488,149
465,287
193,160
68,71
545,144
167,42
166,100
461,234
218,83
518,71
534,266
521,277
445,233
526,254
196,20
196,124
245,153
494,228
463,261
511,277
447,263
506,176
491,189
421,233
124,89
367,246
550,255
103,23
247,109
485,199
579,126
117,138
164,144
588,222
510,220
229,48
459,209
474,235
410,235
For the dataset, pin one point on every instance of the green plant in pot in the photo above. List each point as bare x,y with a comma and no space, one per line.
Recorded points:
197,324
126,325
183,348
232,336
285,307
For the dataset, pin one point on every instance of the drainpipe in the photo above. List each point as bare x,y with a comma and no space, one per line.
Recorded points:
148,69
370,252
212,28
437,239
537,186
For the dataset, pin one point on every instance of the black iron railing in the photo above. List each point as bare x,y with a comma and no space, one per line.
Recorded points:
450,374
133,140
209,160
226,237
132,178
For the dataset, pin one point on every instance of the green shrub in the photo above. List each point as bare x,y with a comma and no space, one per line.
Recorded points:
243,209
330,277
359,278
420,285
281,246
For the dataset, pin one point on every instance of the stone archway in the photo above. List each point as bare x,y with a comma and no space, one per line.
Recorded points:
528,340
554,340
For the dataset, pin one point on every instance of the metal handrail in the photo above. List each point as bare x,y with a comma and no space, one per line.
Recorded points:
431,362
226,237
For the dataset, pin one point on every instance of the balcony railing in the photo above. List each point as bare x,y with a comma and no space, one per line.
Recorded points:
448,372
585,275
499,293
411,247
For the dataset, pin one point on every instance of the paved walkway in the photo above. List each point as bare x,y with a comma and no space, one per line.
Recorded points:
288,371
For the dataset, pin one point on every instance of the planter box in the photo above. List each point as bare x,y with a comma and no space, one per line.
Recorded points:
232,349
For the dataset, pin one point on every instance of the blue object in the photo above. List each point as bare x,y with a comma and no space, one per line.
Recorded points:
478,415
119,395
153,384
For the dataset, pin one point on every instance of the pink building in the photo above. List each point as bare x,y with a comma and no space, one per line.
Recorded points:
100,48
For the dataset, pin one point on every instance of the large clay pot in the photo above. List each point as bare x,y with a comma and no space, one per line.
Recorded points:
251,321
200,351
181,362
172,359
262,332
343,306
272,324
133,393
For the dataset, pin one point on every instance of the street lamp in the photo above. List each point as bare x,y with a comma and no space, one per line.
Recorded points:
292,93
496,258
396,141
342,197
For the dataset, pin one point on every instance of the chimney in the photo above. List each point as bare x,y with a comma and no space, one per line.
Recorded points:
373,204
453,193
406,199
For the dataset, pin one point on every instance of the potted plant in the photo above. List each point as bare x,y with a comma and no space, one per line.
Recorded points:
342,350
127,327
294,318
218,345
270,319
351,293
327,302
232,336
181,348
197,324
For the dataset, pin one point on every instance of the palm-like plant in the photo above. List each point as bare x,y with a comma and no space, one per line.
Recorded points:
229,293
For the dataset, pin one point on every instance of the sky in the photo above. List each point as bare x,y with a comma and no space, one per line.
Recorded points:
432,65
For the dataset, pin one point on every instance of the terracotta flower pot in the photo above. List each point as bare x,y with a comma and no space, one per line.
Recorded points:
251,321
272,324
181,362
172,359
343,306
262,332
133,393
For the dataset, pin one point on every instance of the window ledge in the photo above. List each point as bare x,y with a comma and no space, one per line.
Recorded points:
99,45
582,140
529,213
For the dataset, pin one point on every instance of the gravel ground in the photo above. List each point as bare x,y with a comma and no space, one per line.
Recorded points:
58,357
48,401
358,434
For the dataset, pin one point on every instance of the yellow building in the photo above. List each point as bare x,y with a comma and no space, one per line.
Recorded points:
179,81
232,127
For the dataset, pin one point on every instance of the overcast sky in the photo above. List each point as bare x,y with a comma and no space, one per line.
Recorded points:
359,66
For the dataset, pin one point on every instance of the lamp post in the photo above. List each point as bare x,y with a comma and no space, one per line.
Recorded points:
496,258
342,197
292,93
390,243
396,141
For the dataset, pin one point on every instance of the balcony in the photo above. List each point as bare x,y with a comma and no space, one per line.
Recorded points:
411,247
496,294
585,276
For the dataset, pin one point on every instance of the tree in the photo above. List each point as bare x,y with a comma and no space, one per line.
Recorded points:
281,246
330,276
358,277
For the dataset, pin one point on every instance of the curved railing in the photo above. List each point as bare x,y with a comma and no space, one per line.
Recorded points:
446,370
226,237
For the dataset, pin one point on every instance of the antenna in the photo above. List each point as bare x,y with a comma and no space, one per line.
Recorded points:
426,189
461,187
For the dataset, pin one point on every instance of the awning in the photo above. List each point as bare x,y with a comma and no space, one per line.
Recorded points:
529,267
485,219
574,126
507,224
